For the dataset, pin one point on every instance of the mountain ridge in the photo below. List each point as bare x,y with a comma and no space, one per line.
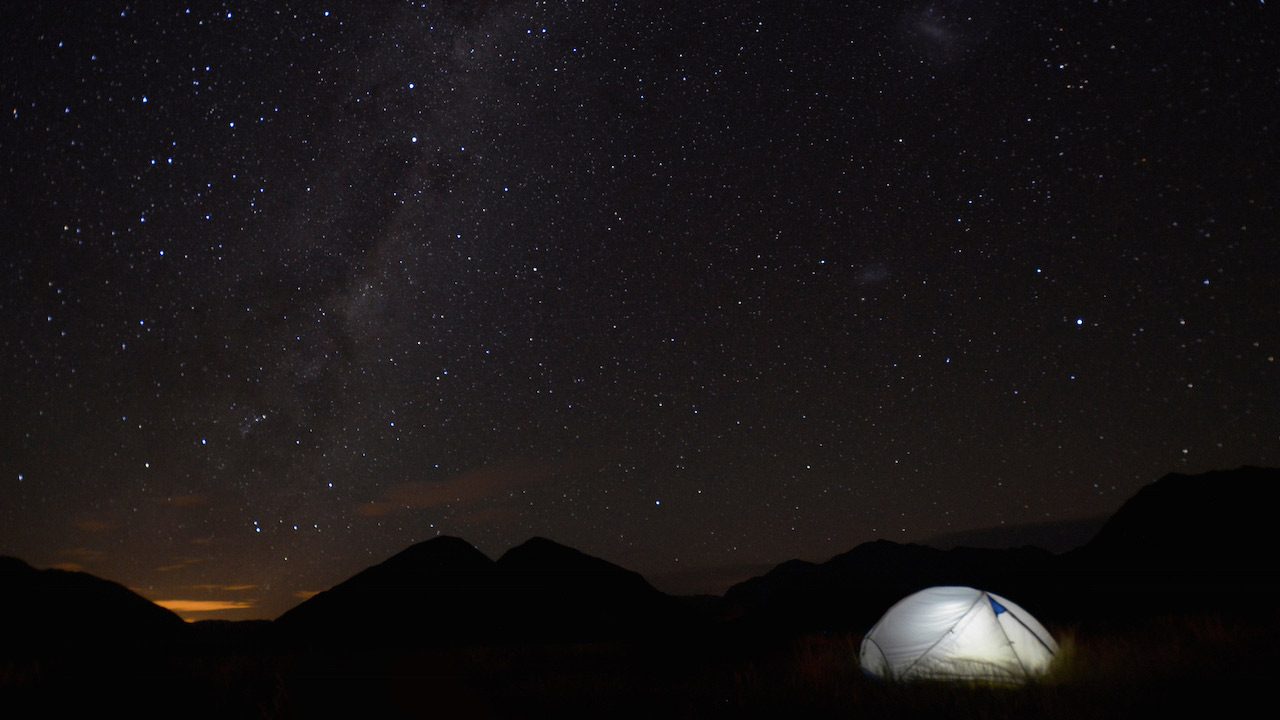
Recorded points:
445,591
46,611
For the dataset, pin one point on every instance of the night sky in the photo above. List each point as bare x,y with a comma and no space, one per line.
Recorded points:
692,286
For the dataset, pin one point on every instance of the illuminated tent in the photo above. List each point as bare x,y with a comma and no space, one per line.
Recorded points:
957,633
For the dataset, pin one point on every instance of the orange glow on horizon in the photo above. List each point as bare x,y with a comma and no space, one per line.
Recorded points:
203,606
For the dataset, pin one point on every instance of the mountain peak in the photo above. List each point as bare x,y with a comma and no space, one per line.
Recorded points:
540,552
11,565
445,590
442,553
550,559
1213,519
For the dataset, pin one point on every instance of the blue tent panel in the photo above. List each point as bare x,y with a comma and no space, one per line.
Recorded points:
997,607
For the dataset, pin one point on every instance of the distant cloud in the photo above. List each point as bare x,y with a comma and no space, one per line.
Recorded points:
306,594
489,515
92,525
180,564
204,606
84,556
491,484
211,587
187,501
68,566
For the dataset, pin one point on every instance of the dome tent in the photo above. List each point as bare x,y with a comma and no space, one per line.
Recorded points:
957,633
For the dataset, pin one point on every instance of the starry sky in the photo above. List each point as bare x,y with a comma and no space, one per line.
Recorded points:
693,286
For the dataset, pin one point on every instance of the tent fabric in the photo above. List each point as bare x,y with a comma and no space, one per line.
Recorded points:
957,633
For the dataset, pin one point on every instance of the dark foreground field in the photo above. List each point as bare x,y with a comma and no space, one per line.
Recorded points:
1172,664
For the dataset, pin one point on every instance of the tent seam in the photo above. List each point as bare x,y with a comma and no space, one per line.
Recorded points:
1034,634
1007,639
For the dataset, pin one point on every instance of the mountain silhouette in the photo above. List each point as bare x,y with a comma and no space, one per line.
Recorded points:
436,591
45,612
557,591
1055,535
851,590
444,591
1184,542
1213,522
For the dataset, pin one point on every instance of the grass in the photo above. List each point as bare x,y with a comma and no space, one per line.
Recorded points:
1170,665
